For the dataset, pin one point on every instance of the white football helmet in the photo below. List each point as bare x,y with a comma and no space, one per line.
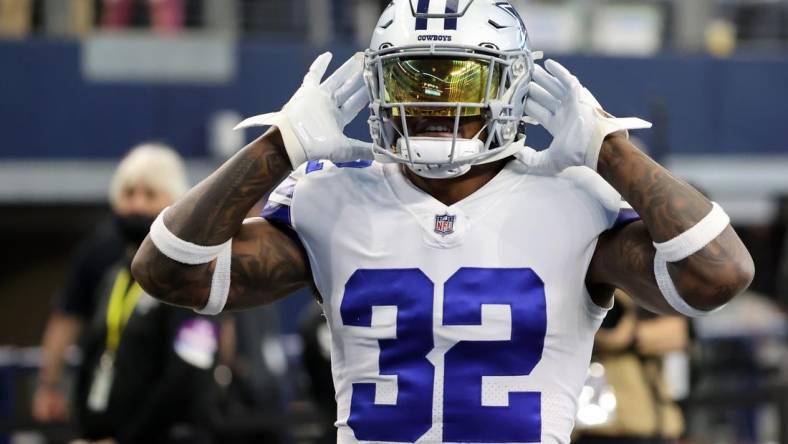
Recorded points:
449,59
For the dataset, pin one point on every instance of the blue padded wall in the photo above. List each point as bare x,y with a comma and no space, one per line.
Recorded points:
48,110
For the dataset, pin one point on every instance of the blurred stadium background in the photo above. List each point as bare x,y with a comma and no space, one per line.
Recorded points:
82,81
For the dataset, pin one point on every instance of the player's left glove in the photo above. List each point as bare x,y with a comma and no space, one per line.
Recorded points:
571,114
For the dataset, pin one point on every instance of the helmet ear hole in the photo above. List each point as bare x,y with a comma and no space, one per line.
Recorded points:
521,128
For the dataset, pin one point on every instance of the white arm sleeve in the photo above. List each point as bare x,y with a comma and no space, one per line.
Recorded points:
188,253
682,247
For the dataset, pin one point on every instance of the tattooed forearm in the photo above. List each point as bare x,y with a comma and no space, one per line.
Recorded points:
669,207
213,211
266,264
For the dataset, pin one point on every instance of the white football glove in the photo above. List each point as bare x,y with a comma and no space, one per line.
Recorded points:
571,114
312,121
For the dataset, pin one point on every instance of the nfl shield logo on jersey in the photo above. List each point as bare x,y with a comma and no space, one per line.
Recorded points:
444,225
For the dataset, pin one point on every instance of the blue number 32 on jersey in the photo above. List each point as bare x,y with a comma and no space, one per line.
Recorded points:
465,418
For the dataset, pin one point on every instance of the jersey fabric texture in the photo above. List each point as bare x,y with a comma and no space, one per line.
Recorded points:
462,323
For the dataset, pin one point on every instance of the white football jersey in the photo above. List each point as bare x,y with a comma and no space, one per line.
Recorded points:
466,323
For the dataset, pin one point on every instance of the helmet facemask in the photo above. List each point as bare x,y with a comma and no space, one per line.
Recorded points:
451,84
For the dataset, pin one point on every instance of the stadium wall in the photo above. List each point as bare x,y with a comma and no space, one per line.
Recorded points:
51,109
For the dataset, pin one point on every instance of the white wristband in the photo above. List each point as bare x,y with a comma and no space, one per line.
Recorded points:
682,247
220,284
188,253
180,250
691,241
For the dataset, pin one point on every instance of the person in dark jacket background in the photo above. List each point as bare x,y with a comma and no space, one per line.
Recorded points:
76,302
146,372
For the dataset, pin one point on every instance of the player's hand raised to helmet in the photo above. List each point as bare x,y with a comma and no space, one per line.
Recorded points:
312,122
575,119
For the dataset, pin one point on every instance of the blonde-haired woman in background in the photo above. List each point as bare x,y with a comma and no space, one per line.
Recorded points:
139,356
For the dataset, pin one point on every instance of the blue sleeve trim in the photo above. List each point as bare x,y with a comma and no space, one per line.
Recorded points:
276,212
626,216
313,165
360,164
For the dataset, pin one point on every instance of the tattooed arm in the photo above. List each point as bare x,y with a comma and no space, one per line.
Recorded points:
668,207
267,264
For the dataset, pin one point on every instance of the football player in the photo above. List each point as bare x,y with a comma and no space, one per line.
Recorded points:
463,275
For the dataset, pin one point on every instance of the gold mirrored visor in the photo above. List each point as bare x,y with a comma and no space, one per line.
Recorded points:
424,80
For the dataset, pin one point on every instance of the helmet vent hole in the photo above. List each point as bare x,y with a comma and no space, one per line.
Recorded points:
496,25
387,24
489,46
385,46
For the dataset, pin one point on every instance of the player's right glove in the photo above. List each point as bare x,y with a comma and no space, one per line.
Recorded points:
312,121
